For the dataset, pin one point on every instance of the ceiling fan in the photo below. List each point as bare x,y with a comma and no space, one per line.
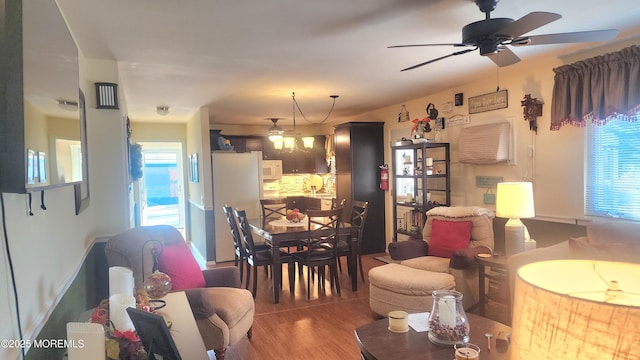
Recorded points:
492,35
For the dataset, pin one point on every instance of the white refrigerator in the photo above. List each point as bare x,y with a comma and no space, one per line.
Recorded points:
237,181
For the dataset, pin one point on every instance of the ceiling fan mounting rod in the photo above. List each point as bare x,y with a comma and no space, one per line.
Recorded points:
487,6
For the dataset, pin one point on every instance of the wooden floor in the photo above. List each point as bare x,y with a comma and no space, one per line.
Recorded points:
321,328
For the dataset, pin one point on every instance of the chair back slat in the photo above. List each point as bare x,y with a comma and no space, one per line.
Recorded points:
233,225
323,228
359,211
245,228
273,209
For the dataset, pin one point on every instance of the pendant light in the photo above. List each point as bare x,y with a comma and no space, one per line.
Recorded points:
275,132
289,142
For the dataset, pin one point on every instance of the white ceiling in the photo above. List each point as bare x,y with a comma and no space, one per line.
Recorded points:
243,58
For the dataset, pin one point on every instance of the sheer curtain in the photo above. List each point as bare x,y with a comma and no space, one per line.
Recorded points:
597,89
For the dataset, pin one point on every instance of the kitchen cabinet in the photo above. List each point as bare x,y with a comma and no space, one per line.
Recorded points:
302,161
421,181
359,151
245,143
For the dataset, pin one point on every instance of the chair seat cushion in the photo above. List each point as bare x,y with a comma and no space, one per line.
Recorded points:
428,263
449,236
177,261
231,304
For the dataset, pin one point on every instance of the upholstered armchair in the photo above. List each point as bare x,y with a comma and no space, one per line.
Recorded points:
450,246
223,311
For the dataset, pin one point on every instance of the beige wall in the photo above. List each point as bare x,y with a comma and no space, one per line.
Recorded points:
48,248
556,167
200,194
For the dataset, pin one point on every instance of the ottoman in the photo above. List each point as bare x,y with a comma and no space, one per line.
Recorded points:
399,287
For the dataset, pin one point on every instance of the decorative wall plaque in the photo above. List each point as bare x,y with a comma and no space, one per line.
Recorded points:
487,102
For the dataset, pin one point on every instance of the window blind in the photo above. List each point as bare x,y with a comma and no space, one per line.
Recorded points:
613,170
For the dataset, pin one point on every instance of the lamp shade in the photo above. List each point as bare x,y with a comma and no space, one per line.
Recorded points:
515,200
576,309
307,142
289,142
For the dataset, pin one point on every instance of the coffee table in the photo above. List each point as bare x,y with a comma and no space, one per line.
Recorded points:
376,342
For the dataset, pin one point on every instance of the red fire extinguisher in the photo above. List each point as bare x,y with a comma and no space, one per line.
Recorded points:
384,177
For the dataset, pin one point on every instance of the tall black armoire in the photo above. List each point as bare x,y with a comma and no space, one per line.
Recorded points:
359,151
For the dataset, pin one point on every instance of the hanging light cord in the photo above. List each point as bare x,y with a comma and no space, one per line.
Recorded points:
297,106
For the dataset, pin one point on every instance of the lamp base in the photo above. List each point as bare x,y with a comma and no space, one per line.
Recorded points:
514,237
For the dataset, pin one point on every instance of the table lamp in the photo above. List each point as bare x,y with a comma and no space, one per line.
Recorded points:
576,309
514,200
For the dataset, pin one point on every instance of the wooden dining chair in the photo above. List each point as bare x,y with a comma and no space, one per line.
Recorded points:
347,245
256,256
239,253
273,209
320,248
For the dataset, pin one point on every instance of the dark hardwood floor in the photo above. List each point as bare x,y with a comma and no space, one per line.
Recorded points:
321,328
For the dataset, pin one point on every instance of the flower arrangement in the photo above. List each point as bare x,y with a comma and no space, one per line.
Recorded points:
121,345
420,127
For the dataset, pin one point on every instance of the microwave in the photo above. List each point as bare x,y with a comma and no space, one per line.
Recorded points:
271,169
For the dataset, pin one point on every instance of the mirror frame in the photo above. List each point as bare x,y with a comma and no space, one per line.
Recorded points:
81,190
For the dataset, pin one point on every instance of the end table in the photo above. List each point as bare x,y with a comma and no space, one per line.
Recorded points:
493,281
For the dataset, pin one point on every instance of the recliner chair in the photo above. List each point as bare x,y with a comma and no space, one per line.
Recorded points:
222,309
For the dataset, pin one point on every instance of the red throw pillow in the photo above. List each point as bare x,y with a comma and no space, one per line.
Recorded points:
178,262
449,236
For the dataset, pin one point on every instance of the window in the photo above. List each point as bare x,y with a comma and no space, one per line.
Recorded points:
613,170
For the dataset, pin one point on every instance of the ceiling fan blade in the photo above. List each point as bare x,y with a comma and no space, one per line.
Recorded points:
440,58
504,57
416,45
531,21
571,37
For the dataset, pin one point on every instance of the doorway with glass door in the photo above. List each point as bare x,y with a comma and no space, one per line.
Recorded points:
160,193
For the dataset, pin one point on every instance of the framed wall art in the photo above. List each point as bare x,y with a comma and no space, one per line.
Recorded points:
488,102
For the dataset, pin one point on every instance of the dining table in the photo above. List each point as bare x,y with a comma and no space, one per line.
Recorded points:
280,233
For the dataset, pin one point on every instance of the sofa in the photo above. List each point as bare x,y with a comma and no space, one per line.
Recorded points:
421,266
222,309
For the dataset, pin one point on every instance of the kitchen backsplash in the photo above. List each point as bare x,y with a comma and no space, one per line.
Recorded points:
299,184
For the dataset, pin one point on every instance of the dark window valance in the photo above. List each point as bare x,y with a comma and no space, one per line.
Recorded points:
597,89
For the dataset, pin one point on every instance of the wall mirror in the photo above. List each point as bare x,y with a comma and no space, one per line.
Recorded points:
42,112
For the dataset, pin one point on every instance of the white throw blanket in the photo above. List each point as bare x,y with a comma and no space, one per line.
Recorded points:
460,211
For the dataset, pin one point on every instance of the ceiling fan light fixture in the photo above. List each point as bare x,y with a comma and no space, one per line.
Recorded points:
491,34
277,143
